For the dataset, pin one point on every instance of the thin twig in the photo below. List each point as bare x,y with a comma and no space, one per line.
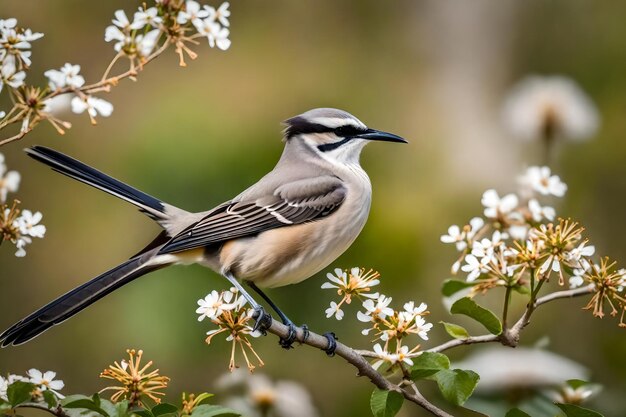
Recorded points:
57,411
363,367
510,337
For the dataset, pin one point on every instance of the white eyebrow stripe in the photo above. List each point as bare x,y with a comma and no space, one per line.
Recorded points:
334,122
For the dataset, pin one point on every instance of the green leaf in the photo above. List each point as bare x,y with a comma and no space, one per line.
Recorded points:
142,412
456,385
572,410
164,408
427,364
86,403
385,403
207,410
452,286
516,412
576,383
71,398
468,307
50,398
202,398
455,330
19,392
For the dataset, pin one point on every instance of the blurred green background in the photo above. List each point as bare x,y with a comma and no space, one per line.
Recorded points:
434,72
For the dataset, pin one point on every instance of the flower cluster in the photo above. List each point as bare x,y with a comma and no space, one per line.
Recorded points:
150,32
136,381
390,327
16,225
519,244
228,311
43,381
354,283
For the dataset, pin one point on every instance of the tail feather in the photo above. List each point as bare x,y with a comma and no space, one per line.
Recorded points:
78,299
91,176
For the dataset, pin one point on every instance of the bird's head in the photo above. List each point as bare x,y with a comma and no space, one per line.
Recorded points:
334,134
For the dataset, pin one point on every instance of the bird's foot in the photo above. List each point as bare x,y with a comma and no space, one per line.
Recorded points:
332,343
263,320
287,342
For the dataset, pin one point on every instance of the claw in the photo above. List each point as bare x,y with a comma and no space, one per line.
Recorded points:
287,343
332,343
305,333
263,320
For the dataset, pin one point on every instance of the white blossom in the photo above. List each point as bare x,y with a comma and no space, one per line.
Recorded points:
221,14
146,43
215,34
496,206
4,384
119,31
540,180
93,105
556,106
46,381
538,213
9,181
9,74
214,304
192,13
28,224
380,309
334,310
475,266
146,17
67,76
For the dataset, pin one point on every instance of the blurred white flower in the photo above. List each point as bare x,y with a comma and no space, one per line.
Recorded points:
215,34
28,224
192,13
119,31
577,279
540,180
67,76
547,107
146,17
57,104
9,181
503,368
538,213
46,381
258,396
146,43
221,14
495,206
9,74
4,384
20,244
93,105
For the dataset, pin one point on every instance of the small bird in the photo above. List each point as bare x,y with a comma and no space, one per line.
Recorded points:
288,226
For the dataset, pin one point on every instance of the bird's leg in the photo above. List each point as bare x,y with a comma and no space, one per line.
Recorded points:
332,343
263,320
291,337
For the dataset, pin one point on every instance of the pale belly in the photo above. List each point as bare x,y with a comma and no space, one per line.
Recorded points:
291,254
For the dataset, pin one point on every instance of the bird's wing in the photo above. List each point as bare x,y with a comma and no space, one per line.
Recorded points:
292,203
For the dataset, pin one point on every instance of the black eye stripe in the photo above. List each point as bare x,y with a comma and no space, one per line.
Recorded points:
299,125
331,146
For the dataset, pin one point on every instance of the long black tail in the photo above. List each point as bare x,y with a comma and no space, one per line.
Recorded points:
79,298
84,173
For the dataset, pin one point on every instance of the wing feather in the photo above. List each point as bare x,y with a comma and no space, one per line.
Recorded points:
293,203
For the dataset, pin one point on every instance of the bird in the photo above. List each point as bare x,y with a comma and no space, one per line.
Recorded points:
292,223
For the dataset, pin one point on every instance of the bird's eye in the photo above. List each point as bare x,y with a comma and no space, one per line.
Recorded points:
347,130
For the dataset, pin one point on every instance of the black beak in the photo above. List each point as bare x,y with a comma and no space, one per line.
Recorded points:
373,134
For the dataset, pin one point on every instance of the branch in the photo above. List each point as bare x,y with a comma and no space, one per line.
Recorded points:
360,363
57,411
510,337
